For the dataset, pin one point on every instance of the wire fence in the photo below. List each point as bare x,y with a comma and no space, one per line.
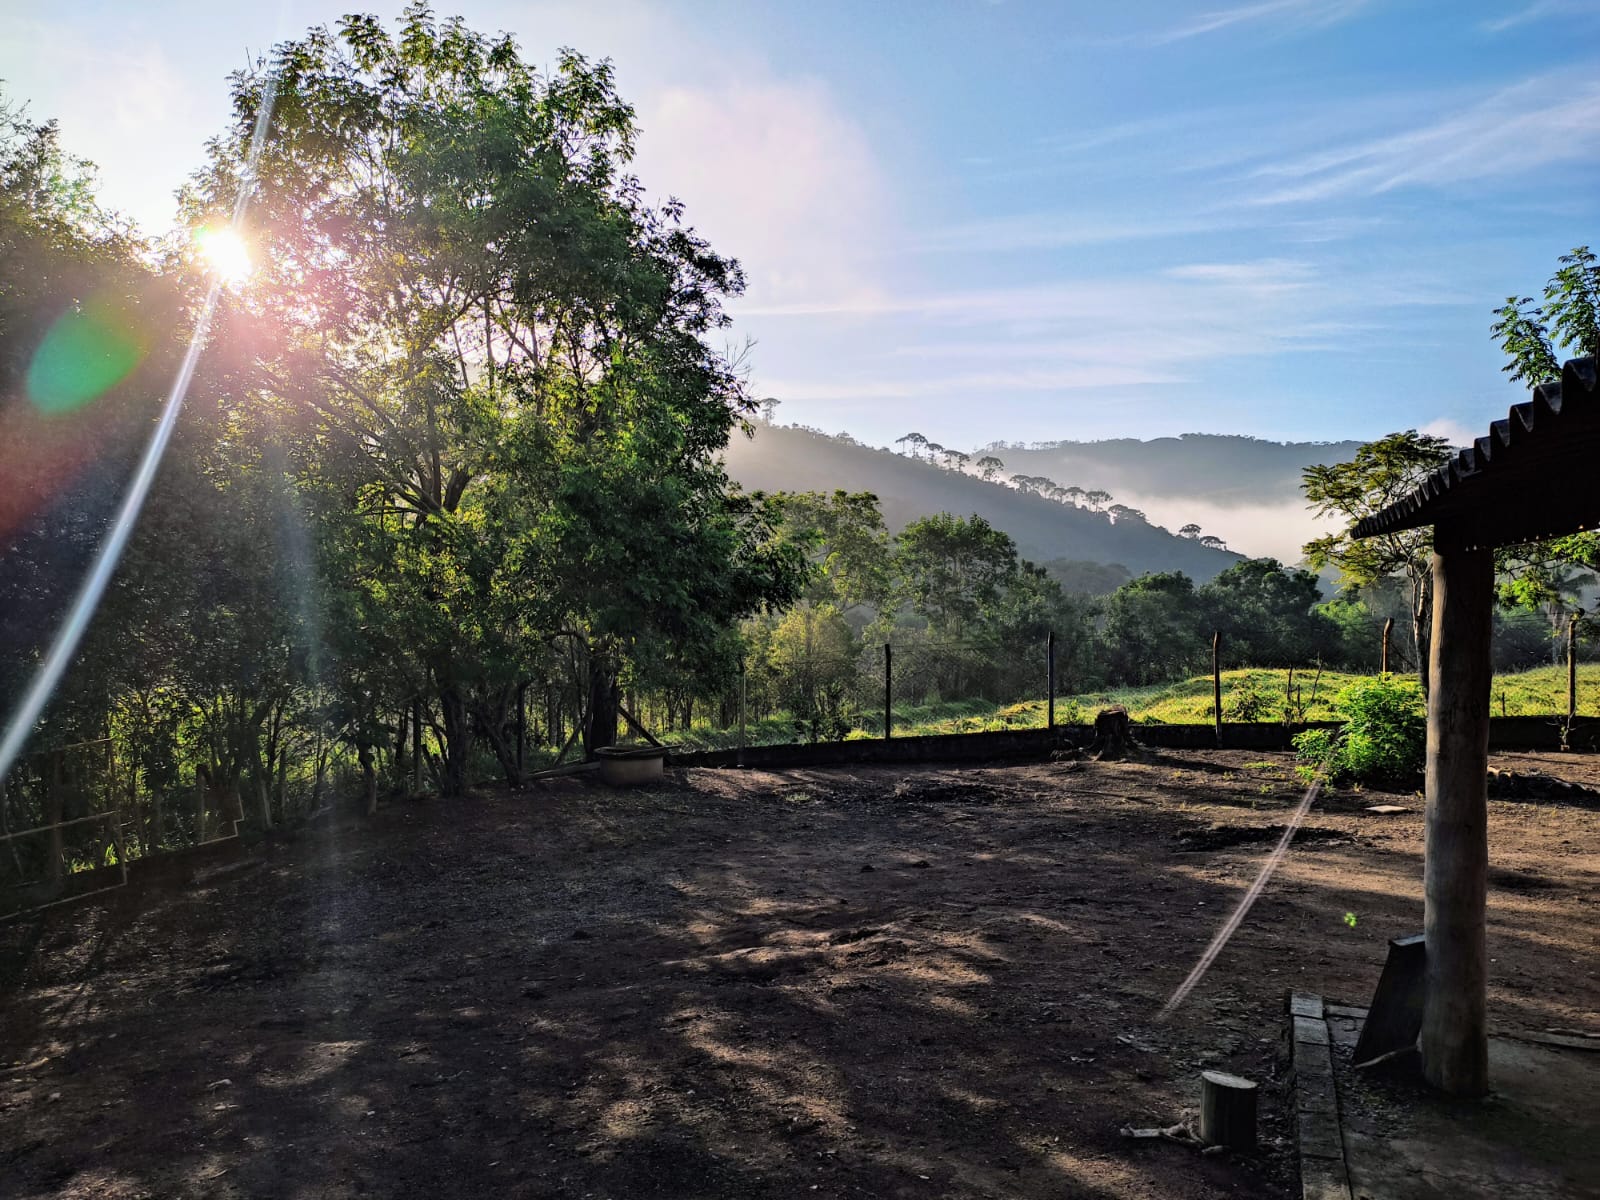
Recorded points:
75,818
916,686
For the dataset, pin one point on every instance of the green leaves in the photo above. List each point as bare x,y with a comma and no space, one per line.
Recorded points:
1381,741
1569,320
1572,302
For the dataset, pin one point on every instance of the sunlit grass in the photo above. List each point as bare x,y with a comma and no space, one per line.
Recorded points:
1539,692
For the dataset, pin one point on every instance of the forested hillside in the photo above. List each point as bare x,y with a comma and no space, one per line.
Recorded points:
789,459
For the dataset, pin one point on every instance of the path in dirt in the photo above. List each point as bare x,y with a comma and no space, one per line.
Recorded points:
874,982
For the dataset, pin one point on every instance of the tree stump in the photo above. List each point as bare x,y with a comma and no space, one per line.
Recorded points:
1112,735
1227,1110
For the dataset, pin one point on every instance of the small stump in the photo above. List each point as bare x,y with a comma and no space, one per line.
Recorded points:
1113,736
1227,1110
629,766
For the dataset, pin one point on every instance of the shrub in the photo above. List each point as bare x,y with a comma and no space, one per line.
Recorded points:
1382,740
1248,703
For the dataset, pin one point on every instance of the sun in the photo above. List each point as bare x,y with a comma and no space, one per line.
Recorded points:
226,254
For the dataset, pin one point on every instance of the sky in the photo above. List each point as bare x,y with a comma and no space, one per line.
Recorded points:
990,220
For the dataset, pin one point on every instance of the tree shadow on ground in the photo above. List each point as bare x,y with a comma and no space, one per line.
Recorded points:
762,985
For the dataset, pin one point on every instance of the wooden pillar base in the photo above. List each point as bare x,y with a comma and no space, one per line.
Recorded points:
1454,1041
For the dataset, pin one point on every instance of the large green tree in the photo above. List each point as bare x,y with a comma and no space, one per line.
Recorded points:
1268,615
1381,473
1155,629
953,570
489,354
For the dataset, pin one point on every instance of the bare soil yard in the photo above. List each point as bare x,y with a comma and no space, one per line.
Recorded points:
882,982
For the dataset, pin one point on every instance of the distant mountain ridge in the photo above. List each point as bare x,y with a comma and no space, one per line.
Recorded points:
786,458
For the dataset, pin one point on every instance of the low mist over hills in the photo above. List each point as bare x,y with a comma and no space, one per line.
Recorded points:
799,460
1223,470
1244,491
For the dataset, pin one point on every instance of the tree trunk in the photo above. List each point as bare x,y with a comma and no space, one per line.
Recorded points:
52,814
401,738
1422,600
369,780
494,718
416,746
601,724
457,741
5,828
321,776
1454,1040
264,797
202,778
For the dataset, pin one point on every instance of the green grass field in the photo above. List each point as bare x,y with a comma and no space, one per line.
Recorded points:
1540,692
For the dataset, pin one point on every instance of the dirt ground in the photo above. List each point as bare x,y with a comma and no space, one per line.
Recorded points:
880,982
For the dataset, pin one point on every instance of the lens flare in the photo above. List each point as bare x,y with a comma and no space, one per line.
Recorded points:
86,353
1242,909
225,253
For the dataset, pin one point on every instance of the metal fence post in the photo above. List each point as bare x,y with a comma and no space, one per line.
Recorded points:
1050,679
888,692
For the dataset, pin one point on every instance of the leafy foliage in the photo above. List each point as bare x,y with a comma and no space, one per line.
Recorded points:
1381,473
1534,338
1382,738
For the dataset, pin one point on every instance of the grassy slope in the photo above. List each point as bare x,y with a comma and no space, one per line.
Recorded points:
1540,692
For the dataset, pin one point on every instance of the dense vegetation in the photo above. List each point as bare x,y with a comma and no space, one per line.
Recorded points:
454,441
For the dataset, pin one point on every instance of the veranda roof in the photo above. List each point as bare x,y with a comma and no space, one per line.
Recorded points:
1536,475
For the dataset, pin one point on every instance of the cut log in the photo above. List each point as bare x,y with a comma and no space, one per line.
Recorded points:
1227,1110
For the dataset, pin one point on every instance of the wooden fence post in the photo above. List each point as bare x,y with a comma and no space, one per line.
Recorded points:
1216,681
1050,679
1572,670
53,814
888,692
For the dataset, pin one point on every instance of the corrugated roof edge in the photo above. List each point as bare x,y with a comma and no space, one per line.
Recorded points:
1579,378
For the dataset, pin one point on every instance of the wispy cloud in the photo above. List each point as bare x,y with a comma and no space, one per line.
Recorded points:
1056,230
1071,377
1304,14
1539,10
1271,273
1549,119
1161,328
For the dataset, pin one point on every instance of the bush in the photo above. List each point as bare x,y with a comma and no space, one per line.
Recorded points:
1382,740
1248,703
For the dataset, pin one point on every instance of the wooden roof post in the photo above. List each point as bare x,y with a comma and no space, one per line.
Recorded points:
1454,1042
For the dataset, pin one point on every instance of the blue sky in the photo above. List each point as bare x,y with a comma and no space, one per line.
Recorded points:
1024,221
